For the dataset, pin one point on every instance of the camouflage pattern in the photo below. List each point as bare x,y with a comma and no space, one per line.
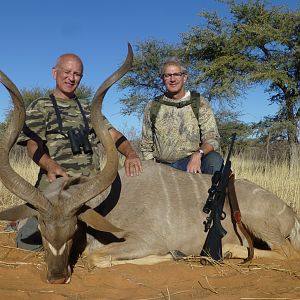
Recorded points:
177,131
41,118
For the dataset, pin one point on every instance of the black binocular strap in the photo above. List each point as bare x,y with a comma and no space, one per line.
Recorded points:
58,116
86,124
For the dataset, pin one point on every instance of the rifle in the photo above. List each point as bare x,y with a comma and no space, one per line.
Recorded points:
214,207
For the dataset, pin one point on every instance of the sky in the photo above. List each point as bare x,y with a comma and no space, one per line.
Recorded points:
35,32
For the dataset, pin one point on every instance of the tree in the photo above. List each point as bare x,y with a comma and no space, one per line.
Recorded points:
143,81
228,123
259,45
29,95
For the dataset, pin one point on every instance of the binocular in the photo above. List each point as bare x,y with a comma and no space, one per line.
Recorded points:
79,139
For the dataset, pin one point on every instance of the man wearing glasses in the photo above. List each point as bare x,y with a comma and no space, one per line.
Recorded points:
179,127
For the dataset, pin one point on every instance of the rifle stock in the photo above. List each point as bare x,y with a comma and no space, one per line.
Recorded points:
214,207
213,243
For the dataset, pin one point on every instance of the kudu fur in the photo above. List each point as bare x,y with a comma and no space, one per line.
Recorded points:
159,211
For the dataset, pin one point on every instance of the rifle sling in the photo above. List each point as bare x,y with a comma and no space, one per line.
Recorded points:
237,217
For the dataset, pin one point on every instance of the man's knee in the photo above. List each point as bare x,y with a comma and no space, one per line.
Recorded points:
211,163
28,236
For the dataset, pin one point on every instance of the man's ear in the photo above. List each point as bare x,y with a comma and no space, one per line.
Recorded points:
185,78
18,212
98,222
54,72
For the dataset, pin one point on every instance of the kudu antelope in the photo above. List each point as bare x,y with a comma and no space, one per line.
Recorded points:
158,211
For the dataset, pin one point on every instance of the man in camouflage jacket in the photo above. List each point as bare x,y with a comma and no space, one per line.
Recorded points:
46,135
180,137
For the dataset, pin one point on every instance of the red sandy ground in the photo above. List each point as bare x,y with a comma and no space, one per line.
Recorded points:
22,276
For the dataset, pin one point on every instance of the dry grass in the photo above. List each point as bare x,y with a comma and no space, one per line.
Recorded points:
243,268
275,176
27,169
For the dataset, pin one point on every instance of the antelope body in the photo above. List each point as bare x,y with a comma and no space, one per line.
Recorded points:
161,210
151,214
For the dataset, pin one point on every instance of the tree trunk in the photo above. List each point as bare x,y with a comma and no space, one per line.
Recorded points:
292,132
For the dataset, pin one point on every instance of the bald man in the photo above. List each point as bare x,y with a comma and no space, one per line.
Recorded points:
54,124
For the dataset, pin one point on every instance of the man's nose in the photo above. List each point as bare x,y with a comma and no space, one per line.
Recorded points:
71,76
172,77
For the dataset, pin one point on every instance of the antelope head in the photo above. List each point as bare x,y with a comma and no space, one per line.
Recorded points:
57,209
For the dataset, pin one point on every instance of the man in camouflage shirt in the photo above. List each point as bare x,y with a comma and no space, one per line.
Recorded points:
42,128
180,137
50,122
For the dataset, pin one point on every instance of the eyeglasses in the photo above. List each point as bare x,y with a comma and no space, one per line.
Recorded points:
175,75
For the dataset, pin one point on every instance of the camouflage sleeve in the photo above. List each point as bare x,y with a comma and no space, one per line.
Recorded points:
208,125
147,135
34,124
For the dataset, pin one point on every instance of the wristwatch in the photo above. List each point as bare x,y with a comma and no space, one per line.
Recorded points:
201,152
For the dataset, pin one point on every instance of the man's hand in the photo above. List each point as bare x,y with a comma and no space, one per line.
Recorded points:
133,165
194,165
54,170
47,163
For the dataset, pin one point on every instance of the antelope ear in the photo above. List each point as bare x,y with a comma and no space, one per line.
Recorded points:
98,222
18,212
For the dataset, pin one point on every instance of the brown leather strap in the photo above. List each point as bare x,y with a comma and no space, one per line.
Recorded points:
237,217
